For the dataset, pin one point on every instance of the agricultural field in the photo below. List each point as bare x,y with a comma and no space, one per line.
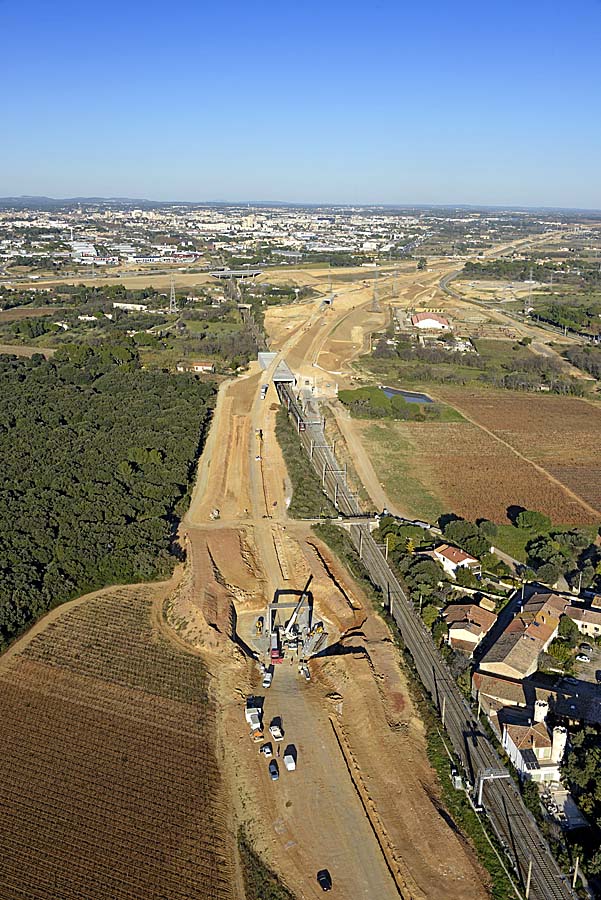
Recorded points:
430,468
109,782
560,434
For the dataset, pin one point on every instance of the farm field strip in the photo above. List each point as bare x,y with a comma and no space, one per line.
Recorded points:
431,467
101,791
555,433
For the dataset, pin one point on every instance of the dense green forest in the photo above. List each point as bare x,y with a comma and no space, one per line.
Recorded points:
580,315
97,458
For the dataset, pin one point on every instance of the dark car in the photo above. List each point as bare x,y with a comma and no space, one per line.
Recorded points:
324,880
598,676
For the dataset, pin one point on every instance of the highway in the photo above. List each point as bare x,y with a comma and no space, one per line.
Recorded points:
514,824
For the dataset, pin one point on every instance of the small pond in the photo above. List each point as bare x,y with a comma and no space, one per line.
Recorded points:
410,396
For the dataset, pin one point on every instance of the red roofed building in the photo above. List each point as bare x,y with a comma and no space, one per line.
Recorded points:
468,623
430,321
452,558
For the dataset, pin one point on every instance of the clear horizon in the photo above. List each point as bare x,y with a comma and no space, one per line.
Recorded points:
303,203
457,106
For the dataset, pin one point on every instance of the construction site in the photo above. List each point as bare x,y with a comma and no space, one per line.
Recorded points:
295,644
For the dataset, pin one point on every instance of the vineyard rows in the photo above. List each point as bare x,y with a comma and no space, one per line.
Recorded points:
109,787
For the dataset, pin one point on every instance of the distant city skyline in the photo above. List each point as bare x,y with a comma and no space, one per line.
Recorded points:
450,105
257,203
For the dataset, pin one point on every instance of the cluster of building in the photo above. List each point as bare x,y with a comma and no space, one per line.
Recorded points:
110,233
529,702
530,711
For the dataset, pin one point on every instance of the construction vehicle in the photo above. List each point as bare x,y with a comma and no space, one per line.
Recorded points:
259,625
275,653
291,627
304,670
290,758
254,716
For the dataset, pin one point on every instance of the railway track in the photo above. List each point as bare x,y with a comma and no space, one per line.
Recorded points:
513,823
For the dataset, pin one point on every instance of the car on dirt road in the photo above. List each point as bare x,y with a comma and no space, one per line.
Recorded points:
276,730
324,880
586,648
274,772
583,658
266,750
268,677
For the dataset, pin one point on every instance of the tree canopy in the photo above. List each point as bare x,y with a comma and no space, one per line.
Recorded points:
97,458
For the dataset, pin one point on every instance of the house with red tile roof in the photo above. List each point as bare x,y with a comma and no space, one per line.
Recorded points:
468,623
451,558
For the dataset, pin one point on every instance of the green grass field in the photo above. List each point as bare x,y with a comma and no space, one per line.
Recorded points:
392,456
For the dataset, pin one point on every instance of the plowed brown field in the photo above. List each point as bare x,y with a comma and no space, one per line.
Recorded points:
108,782
559,434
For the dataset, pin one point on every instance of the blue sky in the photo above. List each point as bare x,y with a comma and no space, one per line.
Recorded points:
388,102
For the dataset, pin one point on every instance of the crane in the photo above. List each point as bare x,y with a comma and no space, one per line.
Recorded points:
297,609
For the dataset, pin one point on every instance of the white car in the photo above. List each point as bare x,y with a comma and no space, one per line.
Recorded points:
267,678
582,657
275,730
266,750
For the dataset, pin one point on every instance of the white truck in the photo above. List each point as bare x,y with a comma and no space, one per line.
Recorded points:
289,762
254,716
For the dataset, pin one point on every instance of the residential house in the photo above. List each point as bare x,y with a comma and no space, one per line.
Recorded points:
200,367
586,619
468,623
494,693
515,653
534,751
453,558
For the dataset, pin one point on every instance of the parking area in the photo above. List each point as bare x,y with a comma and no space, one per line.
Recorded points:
589,671
310,806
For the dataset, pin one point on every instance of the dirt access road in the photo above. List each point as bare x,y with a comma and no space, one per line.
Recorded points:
363,800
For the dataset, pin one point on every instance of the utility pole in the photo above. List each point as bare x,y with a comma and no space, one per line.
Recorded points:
528,879
575,878
172,301
375,303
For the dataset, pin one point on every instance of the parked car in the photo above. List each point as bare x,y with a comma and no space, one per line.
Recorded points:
268,677
274,772
276,730
586,648
266,750
324,880
582,657
598,676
